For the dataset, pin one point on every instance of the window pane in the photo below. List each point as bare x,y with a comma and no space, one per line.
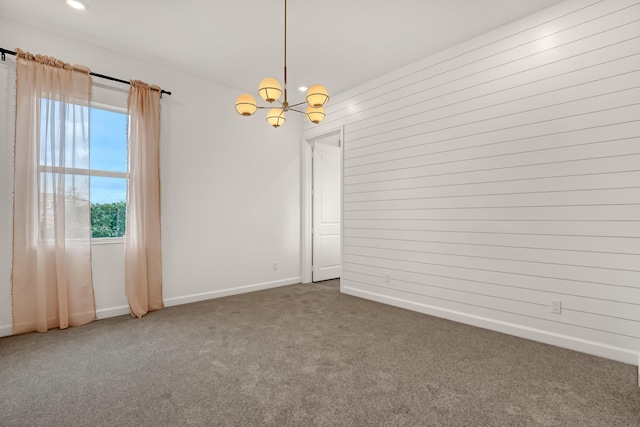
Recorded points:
108,140
58,121
64,193
108,206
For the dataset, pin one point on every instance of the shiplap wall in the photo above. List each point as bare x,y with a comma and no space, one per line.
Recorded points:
503,173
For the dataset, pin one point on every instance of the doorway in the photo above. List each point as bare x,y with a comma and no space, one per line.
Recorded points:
322,207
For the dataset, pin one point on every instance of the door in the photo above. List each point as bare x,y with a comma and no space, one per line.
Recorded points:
326,212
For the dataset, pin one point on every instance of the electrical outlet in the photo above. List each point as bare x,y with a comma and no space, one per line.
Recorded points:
387,278
556,306
275,266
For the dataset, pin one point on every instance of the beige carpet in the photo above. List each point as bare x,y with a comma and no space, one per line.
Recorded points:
303,355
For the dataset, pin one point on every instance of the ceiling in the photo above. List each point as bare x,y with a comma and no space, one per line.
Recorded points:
339,43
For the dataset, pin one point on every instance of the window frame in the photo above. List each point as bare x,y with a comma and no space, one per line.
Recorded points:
107,106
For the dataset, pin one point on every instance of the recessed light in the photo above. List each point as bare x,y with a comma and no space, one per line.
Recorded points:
302,88
77,4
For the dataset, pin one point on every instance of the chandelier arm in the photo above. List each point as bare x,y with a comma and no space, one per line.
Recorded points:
299,103
297,111
274,105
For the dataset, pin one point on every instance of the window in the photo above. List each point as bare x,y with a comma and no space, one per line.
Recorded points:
105,165
108,171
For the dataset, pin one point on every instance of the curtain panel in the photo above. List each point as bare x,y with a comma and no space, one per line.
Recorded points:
143,255
51,272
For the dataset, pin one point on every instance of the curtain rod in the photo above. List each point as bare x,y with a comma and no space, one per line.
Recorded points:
102,76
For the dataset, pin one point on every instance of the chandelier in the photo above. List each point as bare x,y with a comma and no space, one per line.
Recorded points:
270,90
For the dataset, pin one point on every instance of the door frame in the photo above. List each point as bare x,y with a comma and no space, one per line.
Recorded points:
307,199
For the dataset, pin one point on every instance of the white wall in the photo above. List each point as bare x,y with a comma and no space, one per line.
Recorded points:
7,125
230,185
503,173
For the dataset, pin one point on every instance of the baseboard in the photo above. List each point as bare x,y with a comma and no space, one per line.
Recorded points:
169,302
572,343
6,331
105,313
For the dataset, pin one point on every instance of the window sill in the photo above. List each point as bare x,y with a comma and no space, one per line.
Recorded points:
107,241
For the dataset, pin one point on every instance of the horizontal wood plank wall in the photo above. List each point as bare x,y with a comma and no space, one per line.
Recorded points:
503,173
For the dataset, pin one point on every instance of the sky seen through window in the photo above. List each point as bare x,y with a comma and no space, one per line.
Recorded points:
108,133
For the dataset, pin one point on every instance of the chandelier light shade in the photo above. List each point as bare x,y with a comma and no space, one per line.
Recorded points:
246,105
317,96
315,115
271,90
276,117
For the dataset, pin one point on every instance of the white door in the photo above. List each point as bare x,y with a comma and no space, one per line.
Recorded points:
326,212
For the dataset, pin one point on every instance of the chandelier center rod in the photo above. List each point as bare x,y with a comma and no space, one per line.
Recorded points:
285,51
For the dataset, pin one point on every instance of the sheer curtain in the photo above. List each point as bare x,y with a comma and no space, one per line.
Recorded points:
143,256
52,284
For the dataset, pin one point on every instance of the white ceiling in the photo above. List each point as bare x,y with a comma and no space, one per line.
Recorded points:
339,43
